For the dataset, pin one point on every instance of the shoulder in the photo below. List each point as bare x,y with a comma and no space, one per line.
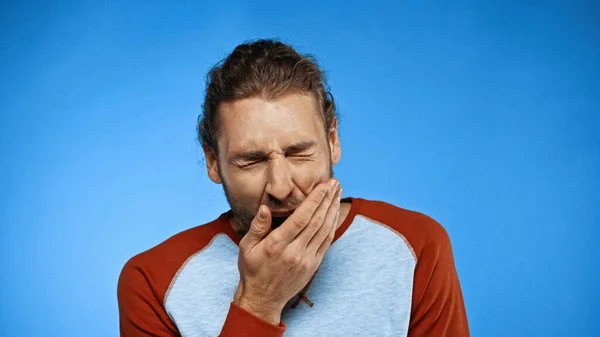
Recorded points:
421,232
154,269
437,307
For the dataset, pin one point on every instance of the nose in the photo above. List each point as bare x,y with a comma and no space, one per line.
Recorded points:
279,184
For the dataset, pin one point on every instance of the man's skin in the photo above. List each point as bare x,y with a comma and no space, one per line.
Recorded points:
276,156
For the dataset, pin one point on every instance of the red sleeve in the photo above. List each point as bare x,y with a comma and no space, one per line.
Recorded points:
241,323
438,308
141,312
145,281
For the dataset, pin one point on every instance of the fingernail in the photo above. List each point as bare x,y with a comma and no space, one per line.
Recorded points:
332,183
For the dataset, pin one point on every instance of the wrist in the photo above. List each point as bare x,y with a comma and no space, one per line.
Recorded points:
266,312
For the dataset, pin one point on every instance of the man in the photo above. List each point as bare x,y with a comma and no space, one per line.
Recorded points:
291,257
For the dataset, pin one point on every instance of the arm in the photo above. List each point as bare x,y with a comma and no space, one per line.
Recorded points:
274,265
241,323
141,311
438,307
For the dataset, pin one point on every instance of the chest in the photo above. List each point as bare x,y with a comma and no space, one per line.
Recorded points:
357,291
360,299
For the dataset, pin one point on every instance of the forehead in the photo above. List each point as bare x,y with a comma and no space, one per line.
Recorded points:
260,124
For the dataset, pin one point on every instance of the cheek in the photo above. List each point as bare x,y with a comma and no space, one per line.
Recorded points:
308,175
246,185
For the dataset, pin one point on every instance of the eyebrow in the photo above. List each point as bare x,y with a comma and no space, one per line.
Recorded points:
260,155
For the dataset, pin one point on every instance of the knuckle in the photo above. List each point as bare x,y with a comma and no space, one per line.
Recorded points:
316,221
305,264
272,247
274,237
254,232
324,231
301,220
271,250
330,237
291,259
327,226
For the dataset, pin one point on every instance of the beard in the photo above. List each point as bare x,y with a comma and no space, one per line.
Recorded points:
244,209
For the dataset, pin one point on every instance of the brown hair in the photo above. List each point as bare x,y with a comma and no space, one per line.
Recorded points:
265,68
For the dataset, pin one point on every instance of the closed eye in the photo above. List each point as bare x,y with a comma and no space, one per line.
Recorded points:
302,149
248,159
299,155
246,165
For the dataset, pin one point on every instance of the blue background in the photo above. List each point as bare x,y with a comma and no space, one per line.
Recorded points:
484,115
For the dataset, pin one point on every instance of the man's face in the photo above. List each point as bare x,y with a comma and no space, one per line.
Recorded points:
273,153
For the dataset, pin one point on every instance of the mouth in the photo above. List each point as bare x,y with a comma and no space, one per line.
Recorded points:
276,213
279,216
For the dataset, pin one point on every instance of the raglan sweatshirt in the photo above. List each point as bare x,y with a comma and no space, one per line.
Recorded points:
389,272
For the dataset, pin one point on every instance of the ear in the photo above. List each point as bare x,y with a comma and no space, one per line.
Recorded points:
212,164
334,143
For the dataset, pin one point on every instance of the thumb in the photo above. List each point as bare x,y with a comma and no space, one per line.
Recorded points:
260,226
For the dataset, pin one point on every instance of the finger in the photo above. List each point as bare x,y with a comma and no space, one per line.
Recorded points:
327,243
317,221
301,217
259,228
327,230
